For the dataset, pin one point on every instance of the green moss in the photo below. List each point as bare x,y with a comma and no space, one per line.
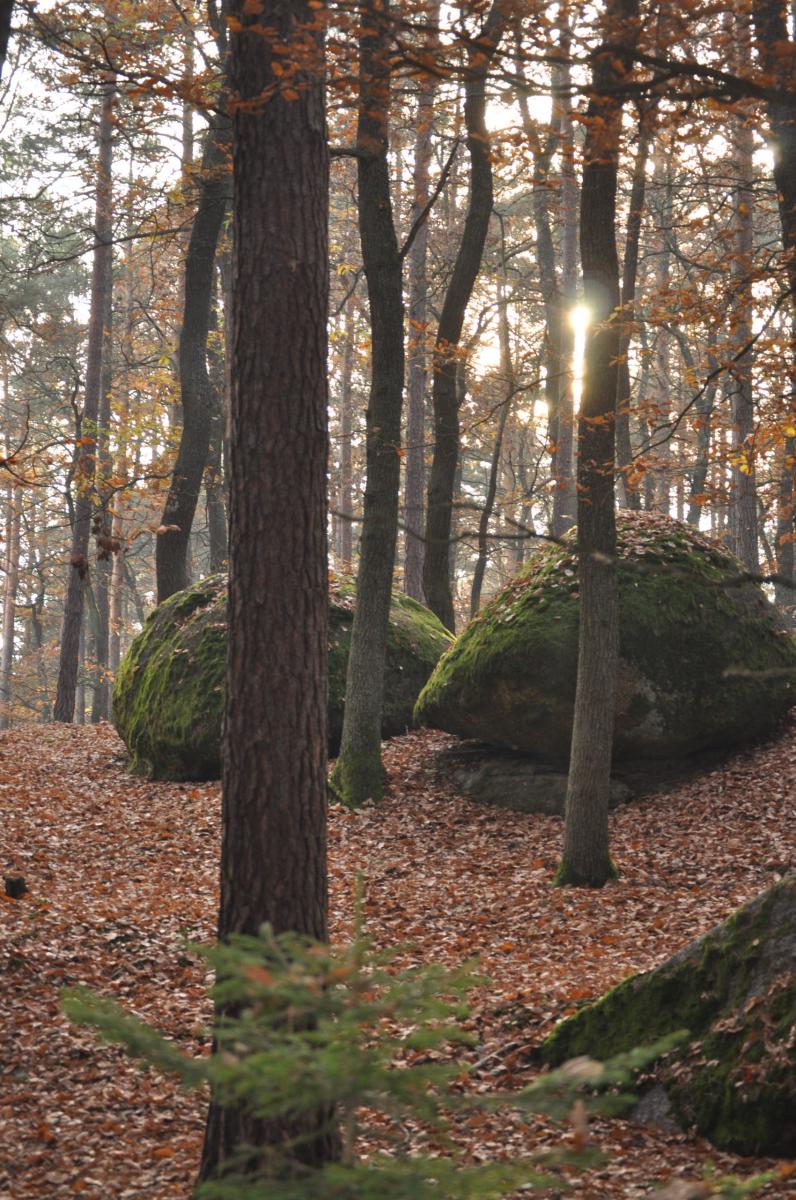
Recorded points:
567,876
359,776
686,623
168,697
735,991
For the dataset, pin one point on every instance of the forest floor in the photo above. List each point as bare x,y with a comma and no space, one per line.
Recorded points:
120,872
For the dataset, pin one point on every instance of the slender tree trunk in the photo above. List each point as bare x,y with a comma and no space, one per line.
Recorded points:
744,483
171,553
214,482
346,413
586,858
564,496
624,449
83,478
416,375
80,690
273,855
13,528
102,525
359,774
436,561
507,375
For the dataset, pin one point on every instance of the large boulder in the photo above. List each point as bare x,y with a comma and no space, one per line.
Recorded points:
168,697
705,662
734,991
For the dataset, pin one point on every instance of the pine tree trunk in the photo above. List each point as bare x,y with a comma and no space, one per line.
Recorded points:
359,774
273,857
85,464
586,858
439,506
171,553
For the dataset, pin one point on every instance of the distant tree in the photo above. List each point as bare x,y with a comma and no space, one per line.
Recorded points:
86,449
273,856
359,774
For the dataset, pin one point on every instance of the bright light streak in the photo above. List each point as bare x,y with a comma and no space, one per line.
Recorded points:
579,318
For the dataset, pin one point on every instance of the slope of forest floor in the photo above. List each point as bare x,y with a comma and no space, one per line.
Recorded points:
120,872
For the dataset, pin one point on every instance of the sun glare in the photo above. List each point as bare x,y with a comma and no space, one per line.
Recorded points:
579,318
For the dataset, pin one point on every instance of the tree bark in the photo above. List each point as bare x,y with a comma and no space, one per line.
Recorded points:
507,376
273,856
359,774
13,528
743,509
6,13
417,373
346,414
586,858
624,449
86,451
196,393
439,507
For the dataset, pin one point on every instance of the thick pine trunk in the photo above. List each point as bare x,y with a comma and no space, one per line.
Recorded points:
85,459
273,856
196,392
359,774
442,477
586,858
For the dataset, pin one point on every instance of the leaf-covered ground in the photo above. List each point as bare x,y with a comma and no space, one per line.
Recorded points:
120,872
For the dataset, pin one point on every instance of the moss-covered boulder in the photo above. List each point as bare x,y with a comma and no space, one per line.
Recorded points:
705,662
734,990
168,697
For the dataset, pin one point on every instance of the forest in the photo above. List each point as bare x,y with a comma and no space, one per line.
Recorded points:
398,645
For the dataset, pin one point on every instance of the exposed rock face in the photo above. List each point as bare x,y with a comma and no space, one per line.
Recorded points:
168,697
705,662
515,781
734,990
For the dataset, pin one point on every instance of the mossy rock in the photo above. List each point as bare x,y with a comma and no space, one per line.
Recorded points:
705,661
168,698
734,990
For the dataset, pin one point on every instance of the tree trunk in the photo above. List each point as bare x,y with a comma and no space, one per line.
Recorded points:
436,560
6,13
564,498
586,859
13,526
214,479
507,376
171,553
273,856
359,774
103,521
744,507
86,451
417,374
346,413
624,449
